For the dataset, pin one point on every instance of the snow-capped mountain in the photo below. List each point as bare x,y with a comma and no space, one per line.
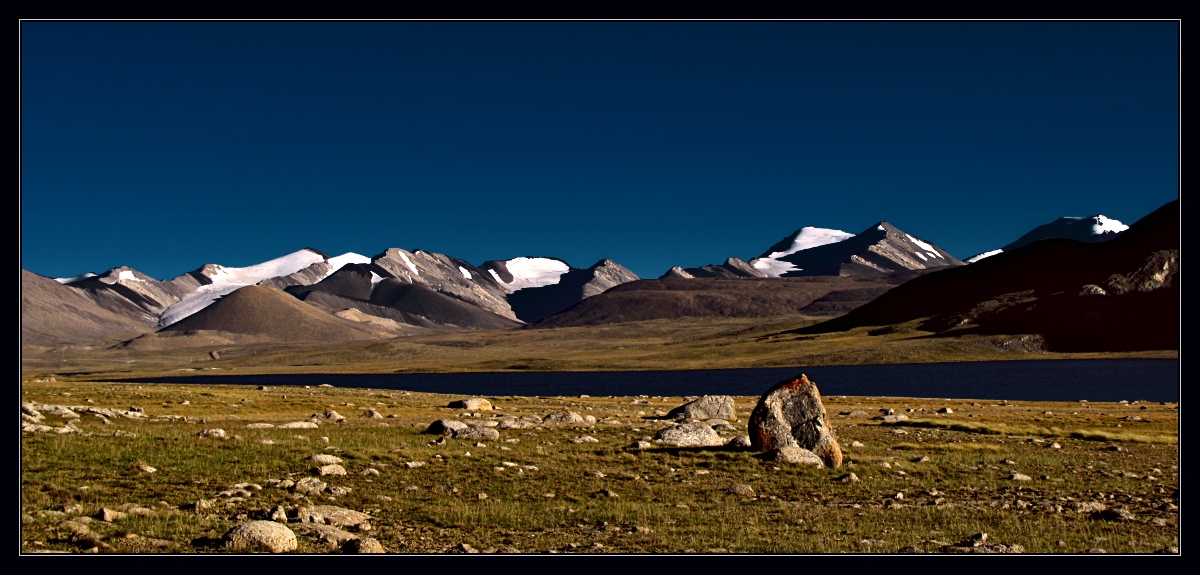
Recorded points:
222,280
398,288
159,304
1090,229
812,251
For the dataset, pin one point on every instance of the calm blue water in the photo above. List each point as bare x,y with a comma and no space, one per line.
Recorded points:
1045,380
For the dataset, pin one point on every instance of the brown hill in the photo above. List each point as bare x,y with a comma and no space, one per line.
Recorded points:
55,314
1122,294
270,314
727,297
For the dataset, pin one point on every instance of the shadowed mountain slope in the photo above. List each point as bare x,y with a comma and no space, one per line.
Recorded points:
726,297
1116,295
273,315
439,308
371,290
534,304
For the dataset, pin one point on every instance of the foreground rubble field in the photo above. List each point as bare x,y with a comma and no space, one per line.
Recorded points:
120,468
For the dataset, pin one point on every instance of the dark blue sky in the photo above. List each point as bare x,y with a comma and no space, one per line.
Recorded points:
168,145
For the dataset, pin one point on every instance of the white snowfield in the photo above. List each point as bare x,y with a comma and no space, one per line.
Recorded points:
227,280
532,272
464,272
809,237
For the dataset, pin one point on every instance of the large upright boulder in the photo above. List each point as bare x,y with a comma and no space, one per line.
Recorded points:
791,414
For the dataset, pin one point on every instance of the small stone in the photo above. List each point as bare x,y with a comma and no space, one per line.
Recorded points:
742,489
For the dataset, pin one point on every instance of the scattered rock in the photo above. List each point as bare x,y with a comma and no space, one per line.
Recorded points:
742,489
363,545
309,485
446,426
1114,514
215,433
471,403
331,469
109,515
568,417
739,442
473,433
331,536
793,455
300,425
325,459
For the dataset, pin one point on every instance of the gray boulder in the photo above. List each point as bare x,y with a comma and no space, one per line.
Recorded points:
690,434
445,426
260,536
477,433
705,408
472,404
568,417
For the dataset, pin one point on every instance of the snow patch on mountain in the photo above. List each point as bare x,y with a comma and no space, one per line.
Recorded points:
928,248
336,262
79,277
465,273
1103,225
409,263
226,280
974,259
532,272
807,237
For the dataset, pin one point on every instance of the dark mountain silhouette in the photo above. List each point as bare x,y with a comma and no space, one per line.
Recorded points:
1121,294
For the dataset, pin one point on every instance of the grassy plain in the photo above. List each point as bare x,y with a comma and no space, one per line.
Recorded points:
647,345
1053,478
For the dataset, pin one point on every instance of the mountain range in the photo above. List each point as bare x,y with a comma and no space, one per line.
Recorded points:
310,296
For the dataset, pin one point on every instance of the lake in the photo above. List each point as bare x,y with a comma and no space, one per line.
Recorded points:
1028,380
